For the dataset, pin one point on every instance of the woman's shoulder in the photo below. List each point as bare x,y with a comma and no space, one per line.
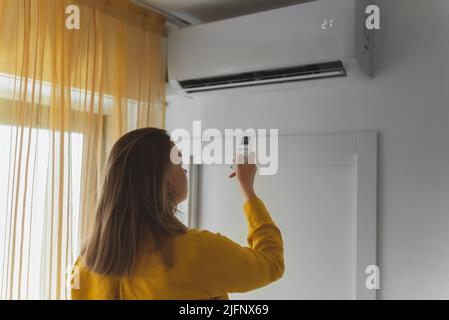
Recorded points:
195,239
205,240
197,233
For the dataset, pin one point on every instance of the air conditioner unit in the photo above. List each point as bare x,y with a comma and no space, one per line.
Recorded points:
311,41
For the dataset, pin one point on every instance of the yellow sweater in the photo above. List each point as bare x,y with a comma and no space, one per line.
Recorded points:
207,266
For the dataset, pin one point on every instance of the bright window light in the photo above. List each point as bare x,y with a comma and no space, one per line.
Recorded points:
36,207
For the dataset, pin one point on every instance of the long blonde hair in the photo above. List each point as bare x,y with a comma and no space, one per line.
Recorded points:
134,208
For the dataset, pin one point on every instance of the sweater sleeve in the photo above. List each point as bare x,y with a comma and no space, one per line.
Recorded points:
225,266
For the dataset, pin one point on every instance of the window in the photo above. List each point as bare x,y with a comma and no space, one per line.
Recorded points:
34,200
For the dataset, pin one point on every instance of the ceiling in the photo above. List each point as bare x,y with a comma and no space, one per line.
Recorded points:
201,11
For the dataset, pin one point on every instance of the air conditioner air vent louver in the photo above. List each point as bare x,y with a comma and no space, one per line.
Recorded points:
280,75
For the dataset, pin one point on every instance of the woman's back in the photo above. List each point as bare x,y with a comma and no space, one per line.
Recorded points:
206,265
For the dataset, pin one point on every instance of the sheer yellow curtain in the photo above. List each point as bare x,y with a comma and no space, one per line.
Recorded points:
65,97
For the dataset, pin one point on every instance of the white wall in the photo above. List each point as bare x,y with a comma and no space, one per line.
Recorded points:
408,103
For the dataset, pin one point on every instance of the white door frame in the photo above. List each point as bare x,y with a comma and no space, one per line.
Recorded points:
366,212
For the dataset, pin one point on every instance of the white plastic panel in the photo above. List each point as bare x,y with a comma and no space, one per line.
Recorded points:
283,37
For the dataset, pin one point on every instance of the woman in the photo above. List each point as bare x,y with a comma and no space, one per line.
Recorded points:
138,249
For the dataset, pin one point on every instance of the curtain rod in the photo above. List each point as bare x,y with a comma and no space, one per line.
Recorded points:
170,17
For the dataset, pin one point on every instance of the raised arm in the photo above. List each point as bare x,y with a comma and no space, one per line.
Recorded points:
226,267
